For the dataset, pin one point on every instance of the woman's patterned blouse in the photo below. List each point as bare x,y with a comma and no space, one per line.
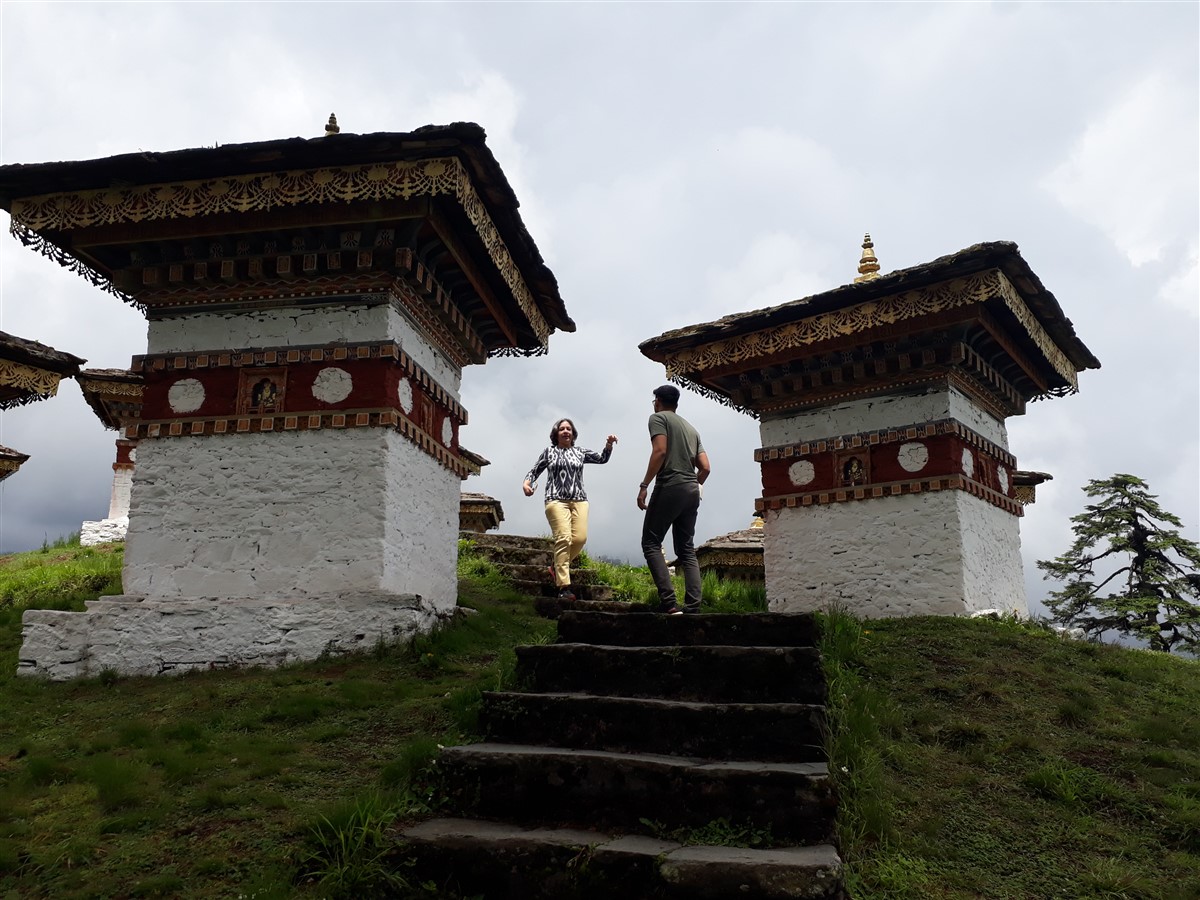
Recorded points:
565,465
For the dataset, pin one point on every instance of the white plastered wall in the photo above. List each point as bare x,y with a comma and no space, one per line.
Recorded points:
940,553
118,501
420,545
877,413
935,553
993,575
276,515
302,326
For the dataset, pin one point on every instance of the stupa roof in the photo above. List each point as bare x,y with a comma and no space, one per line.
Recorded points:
10,461
125,221
747,539
115,395
31,371
1026,320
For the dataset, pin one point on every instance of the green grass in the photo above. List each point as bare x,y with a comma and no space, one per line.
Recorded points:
994,759
264,783
973,758
59,576
634,584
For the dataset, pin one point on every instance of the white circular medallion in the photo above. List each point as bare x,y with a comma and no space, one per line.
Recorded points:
186,396
968,463
404,395
447,431
1002,477
801,472
133,454
332,385
912,456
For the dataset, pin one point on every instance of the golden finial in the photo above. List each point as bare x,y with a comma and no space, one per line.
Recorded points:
868,266
331,127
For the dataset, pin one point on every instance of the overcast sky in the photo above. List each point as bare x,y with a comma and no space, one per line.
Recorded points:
675,163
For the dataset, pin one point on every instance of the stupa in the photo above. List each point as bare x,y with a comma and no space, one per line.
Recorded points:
888,482
115,396
311,306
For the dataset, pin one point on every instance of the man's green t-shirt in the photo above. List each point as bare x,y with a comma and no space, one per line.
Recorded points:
683,446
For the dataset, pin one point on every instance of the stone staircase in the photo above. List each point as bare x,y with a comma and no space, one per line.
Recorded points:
525,561
638,746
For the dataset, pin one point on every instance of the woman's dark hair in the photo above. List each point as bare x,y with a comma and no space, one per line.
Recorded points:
554,432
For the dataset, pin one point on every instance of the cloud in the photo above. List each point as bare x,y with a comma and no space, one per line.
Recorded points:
773,269
1182,290
1133,171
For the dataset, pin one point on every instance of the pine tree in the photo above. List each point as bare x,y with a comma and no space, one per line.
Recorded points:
1153,592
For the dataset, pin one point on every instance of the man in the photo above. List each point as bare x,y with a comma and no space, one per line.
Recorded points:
678,466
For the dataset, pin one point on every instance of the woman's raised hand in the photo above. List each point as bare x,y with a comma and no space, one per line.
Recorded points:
612,439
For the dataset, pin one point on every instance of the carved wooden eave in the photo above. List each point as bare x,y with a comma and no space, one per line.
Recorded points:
1025,485
10,461
979,318
31,371
115,395
479,513
475,463
738,554
426,215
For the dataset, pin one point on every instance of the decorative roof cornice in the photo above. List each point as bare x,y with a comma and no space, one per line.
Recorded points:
1000,255
451,159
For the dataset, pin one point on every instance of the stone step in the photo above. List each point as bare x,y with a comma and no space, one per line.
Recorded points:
521,556
542,574
547,590
756,630
507,541
770,732
468,857
564,787
715,674
552,607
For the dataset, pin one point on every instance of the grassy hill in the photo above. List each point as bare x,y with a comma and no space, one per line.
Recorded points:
974,758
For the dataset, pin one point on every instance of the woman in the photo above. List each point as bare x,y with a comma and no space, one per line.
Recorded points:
566,500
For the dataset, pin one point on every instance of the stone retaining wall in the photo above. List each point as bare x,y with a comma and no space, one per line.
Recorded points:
133,636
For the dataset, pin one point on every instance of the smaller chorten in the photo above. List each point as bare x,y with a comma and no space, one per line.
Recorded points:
868,265
331,127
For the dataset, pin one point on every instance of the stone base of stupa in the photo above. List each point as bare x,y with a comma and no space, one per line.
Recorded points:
135,636
103,531
937,553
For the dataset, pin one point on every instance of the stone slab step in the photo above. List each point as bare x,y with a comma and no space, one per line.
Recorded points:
773,732
508,541
751,629
505,862
547,591
541,574
567,787
521,556
715,674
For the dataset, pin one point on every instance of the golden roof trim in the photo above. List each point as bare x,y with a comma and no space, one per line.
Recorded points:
41,382
907,305
444,176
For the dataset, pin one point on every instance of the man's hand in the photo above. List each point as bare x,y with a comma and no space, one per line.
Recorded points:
527,488
641,498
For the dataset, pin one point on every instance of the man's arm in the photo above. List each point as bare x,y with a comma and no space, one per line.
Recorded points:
703,469
658,455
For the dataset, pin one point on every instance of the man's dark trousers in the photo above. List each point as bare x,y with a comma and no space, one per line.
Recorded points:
674,507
